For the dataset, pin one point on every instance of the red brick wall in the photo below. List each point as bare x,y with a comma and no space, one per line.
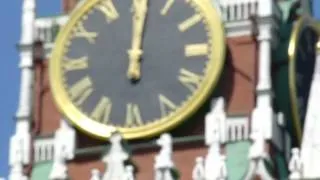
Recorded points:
239,79
68,5
46,115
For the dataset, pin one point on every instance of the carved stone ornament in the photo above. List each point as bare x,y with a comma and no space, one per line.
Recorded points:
64,148
164,165
295,165
115,159
198,170
95,174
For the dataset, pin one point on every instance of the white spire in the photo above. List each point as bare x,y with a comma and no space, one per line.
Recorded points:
20,141
26,58
28,17
295,165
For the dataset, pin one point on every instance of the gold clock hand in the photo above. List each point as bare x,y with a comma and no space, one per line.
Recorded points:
140,8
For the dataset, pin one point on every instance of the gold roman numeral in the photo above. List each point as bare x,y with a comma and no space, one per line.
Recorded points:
81,90
188,23
102,111
165,104
75,64
166,7
133,117
108,9
196,50
189,79
81,32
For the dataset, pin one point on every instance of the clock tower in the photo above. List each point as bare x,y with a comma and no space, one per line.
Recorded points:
163,89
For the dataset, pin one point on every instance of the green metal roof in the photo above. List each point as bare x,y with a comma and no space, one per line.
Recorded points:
41,171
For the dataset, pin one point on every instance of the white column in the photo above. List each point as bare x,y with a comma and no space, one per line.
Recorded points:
264,76
262,115
20,141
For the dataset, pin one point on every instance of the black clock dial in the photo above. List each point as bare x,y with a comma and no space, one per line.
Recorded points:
140,66
167,75
304,68
302,57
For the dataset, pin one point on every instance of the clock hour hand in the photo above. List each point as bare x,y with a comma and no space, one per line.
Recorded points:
140,8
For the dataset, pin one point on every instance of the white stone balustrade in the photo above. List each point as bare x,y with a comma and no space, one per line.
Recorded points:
43,149
47,28
237,10
238,128
235,13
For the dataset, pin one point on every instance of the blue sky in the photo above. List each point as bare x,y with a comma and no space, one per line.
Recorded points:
9,73
316,9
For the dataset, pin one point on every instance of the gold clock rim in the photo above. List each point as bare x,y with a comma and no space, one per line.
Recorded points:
302,22
88,126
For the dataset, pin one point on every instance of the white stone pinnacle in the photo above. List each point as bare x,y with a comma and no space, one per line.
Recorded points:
198,172
64,149
115,159
295,165
163,161
95,174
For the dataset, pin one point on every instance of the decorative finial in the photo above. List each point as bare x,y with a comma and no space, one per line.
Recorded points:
198,172
129,174
223,173
295,165
115,159
64,149
257,148
163,161
95,174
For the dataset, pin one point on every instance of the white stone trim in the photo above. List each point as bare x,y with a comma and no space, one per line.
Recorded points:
235,10
237,128
43,30
238,28
43,149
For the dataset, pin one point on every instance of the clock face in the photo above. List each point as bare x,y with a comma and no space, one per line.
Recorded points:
301,68
138,66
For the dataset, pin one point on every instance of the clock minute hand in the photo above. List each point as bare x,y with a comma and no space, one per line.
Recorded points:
140,9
